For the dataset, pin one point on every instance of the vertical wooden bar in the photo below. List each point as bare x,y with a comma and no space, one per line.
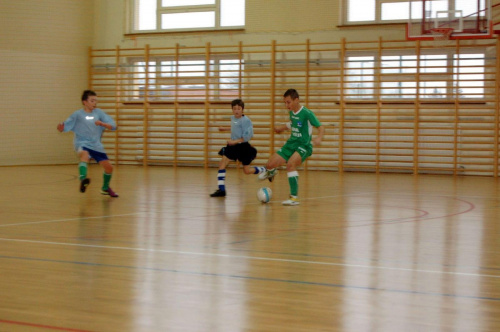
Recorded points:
342,104
378,87
207,102
117,100
416,116
457,106
240,69
308,56
176,104
146,108
308,48
273,92
497,110
89,73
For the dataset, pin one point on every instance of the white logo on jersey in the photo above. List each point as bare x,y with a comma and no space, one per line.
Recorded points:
89,117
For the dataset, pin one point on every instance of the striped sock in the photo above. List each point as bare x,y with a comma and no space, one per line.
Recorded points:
293,181
259,169
221,179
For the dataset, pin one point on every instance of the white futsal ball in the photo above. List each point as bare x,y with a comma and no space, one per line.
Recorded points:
264,194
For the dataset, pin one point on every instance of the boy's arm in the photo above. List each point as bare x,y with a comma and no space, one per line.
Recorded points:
108,122
317,140
68,124
280,128
235,141
224,128
247,133
105,125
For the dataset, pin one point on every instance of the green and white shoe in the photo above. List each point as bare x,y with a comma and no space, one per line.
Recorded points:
291,201
268,174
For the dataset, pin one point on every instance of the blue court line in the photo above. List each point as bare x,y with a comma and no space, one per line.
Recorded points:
299,282
344,258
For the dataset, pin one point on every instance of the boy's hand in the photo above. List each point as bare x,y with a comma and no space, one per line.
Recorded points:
60,127
102,124
316,141
280,128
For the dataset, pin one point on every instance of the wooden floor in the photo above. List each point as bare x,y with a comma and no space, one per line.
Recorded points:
363,252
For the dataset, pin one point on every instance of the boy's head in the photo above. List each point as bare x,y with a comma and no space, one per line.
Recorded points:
291,99
87,93
89,100
238,106
292,93
238,102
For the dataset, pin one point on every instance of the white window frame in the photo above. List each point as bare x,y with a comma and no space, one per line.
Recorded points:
210,8
443,83
378,12
184,72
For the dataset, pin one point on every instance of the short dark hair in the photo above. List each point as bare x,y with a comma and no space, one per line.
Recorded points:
292,93
238,102
87,93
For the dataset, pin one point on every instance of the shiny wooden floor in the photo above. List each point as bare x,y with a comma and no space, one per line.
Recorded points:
363,252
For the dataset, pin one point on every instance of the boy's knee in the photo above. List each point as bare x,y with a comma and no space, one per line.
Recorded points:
108,168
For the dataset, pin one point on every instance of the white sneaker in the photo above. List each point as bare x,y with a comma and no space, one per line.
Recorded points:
291,201
268,174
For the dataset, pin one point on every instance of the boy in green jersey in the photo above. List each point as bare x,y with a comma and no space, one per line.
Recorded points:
298,147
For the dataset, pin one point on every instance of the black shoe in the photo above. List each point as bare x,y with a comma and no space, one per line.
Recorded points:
84,184
218,193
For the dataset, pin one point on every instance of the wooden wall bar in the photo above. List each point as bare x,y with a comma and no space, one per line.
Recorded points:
388,105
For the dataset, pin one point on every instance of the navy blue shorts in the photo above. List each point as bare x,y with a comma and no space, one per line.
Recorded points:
97,156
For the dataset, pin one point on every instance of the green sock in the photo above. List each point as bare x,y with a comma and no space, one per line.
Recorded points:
293,181
107,178
82,167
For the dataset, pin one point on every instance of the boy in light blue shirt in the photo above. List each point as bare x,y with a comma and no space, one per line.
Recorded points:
88,125
238,147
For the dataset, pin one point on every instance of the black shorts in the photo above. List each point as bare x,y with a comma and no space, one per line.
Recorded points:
243,152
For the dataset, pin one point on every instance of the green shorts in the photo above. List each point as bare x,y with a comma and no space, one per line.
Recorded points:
290,148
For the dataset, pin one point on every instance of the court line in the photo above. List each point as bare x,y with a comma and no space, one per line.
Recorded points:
12,322
250,258
233,276
363,259
69,219
382,222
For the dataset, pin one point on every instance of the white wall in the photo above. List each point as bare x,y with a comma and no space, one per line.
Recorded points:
281,20
43,65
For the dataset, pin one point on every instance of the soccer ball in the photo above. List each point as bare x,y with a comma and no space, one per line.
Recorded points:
264,194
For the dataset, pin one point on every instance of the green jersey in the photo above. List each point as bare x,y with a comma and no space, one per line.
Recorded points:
301,124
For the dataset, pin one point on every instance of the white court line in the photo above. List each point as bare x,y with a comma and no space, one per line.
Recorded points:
252,258
69,219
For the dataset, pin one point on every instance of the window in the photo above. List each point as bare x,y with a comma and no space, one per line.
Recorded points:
179,15
185,79
397,75
380,11
468,75
360,79
440,76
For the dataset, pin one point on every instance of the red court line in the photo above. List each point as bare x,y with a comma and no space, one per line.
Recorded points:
4,321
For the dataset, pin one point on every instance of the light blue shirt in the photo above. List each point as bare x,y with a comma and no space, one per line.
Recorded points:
241,128
87,134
